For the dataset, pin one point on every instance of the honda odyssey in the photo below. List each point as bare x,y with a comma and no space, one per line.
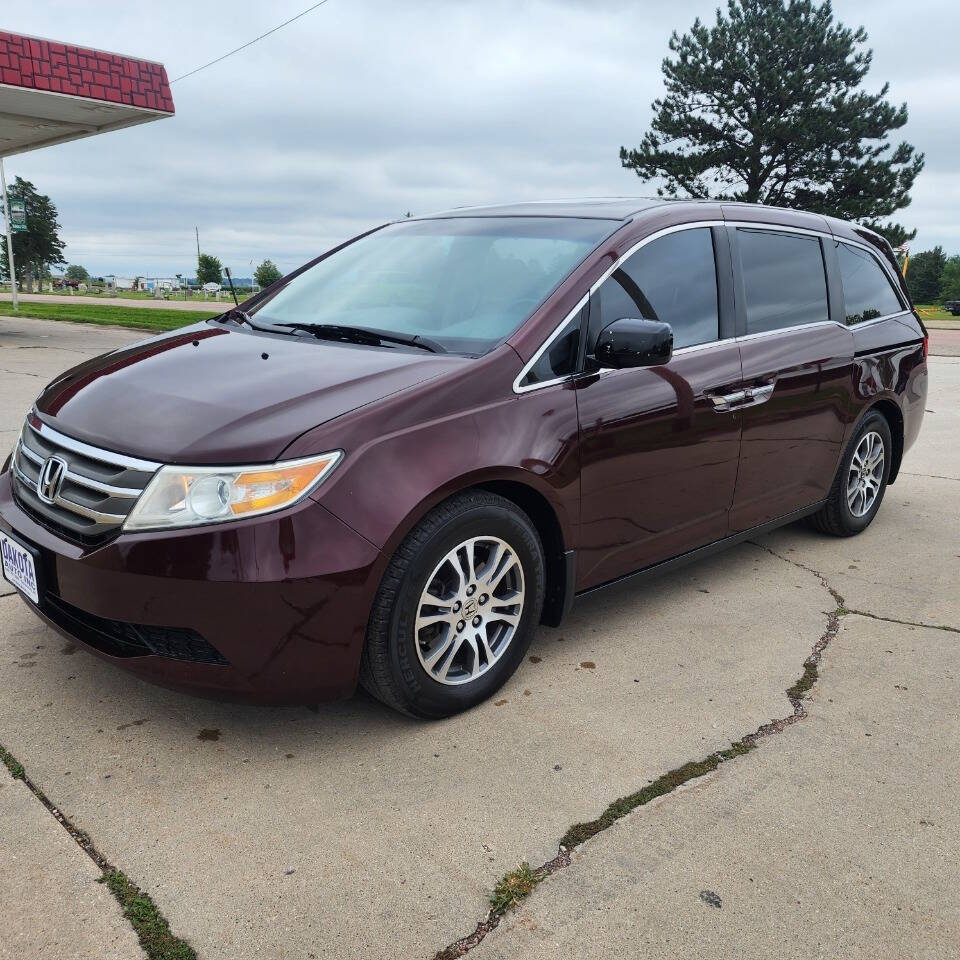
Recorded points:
395,462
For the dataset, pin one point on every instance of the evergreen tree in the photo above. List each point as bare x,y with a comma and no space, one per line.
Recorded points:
766,106
39,246
923,275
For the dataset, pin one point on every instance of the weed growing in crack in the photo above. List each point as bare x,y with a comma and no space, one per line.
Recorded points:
513,887
803,686
149,924
12,764
663,785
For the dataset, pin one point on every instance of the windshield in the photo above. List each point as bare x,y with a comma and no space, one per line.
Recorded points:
466,283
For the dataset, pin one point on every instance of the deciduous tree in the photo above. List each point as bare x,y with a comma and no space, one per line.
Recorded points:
76,273
209,269
950,279
267,273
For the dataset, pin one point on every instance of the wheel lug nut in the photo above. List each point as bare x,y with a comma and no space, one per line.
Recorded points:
456,607
477,621
471,590
483,598
460,626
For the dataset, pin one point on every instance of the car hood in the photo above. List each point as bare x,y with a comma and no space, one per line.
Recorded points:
212,394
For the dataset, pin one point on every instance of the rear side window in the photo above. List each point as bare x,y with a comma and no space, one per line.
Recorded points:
672,279
867,292
784,282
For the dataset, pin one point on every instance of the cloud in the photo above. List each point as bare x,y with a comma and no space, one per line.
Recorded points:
366,109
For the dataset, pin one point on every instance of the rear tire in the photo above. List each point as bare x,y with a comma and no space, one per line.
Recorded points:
456,609
861,480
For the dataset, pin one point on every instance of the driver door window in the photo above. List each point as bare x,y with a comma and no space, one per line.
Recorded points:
672,279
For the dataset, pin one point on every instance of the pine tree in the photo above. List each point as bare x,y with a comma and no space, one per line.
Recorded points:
924,273
40,245
766,106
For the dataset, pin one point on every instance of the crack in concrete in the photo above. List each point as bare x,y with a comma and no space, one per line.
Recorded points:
148,923
664,785
844,610
906,623
929,476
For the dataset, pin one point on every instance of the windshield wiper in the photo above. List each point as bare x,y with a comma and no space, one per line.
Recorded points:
240,316
367,336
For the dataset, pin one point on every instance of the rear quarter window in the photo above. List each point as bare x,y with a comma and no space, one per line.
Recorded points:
867,290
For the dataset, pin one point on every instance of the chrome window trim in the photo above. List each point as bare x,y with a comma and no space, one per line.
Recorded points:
94,453
776,228
822,323
676,228
531,363
692,225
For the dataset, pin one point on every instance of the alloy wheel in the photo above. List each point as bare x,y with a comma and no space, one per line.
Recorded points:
469,610
866,474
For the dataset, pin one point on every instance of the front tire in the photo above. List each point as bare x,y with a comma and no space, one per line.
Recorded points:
456,609
861,480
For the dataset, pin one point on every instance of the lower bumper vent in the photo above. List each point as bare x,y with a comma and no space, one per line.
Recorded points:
117,638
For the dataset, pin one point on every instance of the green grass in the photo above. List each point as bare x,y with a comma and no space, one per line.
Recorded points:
932,311
141,318
152,929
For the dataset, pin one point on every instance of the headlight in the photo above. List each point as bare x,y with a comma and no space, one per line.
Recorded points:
187,496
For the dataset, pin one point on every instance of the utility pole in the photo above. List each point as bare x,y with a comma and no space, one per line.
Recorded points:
198,243
6,216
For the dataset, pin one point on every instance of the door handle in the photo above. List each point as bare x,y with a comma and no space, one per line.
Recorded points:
748,397
726,401
758,395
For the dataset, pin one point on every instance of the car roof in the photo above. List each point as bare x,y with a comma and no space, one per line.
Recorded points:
627,208
603,208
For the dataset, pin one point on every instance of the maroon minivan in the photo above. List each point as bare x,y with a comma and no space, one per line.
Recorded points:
391,465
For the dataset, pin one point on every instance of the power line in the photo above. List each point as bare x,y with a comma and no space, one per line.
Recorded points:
250,43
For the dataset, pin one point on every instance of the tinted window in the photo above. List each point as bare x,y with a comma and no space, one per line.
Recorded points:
467,283
867,292
560,358
673,279
783,280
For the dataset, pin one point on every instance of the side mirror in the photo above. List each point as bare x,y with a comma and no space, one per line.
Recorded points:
632,342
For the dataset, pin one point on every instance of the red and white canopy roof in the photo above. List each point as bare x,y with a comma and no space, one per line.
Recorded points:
53,92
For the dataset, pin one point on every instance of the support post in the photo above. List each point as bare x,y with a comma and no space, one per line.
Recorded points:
6,216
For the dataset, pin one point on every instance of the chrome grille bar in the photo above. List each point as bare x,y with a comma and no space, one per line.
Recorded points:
96,491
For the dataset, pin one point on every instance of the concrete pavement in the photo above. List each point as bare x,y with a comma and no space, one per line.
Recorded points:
348,830
52,903
836,839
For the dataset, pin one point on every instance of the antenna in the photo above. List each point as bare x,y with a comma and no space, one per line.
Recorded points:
236,302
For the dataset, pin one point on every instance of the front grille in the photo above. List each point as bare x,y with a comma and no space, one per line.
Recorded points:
120,639
97,491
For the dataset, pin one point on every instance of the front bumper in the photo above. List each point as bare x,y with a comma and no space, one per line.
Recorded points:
283,599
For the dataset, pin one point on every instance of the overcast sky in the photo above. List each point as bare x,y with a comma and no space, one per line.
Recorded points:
365,109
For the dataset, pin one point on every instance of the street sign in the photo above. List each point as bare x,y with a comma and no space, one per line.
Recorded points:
18,216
